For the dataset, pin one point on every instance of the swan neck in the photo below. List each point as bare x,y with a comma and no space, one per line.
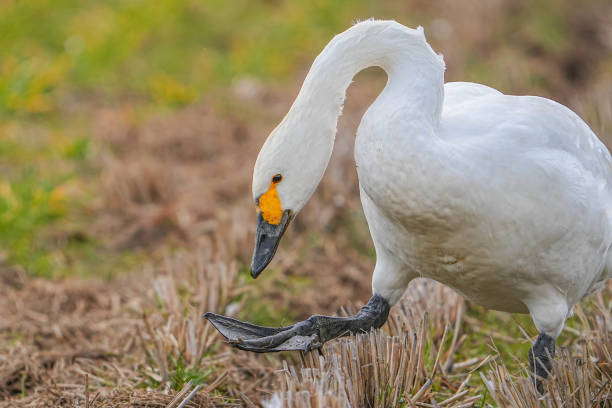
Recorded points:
415,72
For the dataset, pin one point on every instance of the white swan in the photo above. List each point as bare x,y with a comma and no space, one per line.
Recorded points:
506,199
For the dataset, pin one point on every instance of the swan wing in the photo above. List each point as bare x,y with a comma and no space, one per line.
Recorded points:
480,118
533,147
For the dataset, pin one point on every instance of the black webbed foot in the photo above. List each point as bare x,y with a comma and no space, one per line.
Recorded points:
307,335
261,339
540,360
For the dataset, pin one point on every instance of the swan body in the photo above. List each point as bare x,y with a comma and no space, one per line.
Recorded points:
507,199
509,203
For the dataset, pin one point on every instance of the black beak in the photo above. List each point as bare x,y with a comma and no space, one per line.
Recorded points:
267,238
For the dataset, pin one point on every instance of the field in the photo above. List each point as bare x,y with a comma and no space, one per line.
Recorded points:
128,134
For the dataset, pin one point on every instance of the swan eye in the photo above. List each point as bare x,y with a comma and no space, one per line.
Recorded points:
277,179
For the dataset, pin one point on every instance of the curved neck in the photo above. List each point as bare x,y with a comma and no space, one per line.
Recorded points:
415,72
300,147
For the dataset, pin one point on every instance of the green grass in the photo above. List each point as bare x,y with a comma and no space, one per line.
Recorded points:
268,311
28,204
166,52
182,374
38,189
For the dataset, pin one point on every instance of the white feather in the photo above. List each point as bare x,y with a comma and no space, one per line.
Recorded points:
507,199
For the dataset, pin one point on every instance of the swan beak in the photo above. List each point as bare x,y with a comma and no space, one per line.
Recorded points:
267,238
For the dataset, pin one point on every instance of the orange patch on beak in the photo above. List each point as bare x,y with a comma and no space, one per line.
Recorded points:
270,206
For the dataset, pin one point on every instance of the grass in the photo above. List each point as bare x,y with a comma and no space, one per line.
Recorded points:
32,200
64,56
163,55
180,374
115,116
169,52
270,310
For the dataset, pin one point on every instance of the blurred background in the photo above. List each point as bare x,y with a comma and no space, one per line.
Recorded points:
82,85
129,130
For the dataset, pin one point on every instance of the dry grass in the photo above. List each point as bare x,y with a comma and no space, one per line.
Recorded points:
141,342
379,370
136,342
386,370
582,374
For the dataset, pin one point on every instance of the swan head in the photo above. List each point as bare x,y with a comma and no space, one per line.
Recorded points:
288,169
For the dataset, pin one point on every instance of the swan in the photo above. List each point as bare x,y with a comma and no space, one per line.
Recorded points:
506,199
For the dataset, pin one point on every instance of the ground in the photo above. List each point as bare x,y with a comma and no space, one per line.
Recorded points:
125,208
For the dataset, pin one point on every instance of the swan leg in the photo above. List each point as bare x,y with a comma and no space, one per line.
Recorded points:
306,335
549,311
540,360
